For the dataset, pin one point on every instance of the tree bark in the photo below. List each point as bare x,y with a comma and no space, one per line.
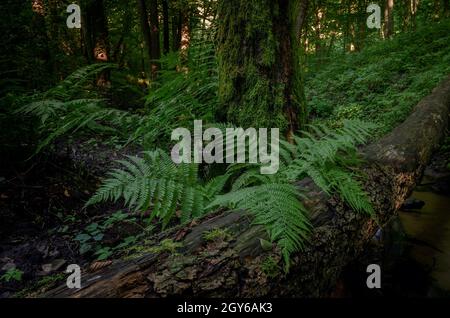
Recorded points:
318,26
388,29
185,36
42,35
445,8
145,27
166,35
176,31
259,64
96,37
154,34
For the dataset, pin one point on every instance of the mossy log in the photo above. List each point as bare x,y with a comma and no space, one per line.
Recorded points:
234,263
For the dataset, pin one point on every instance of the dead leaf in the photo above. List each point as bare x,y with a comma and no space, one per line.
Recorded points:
99,265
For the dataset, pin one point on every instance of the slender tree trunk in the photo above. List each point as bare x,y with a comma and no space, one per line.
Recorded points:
176,31
318,27
389,19
185,36
166,35
445,8
413,11
118,51
96,37
347,26
260,82
154,34
41,32
360,34
145,27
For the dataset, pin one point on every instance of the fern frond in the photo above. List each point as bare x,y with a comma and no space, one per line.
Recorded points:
154,182
276,206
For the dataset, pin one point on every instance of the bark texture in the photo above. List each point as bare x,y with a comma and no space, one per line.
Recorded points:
95,34
259,63
236,264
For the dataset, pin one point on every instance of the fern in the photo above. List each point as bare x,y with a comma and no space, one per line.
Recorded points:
58,118
74,85
59,114
184,92
278,207
155,182
326,156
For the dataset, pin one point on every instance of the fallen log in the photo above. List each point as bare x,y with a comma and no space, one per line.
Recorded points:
237,265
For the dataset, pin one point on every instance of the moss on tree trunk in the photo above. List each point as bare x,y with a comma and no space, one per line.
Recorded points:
260,81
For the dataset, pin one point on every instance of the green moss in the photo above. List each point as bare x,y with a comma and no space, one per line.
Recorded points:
270,267
251,91
216,234
44,283
166,245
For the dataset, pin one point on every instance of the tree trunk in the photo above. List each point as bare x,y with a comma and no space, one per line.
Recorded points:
117,54
185,36
166,35
238,266
176,31
361,26
154,34
42,35
318,27
260,81
145,27
96,37
388,29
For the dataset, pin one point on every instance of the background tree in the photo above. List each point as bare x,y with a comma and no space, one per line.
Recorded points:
96,39
388,28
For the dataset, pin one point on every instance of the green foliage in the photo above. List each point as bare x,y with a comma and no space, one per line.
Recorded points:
91,239
59,119
155,182
79,82
384,81
60,115
184,91
327,157
278,207
12,274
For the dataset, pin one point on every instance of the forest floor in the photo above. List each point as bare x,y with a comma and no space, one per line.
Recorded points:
43,221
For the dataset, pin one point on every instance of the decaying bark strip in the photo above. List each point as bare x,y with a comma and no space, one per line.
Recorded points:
237,265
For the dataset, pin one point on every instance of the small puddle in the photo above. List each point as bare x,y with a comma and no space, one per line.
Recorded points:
428,231
413,250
